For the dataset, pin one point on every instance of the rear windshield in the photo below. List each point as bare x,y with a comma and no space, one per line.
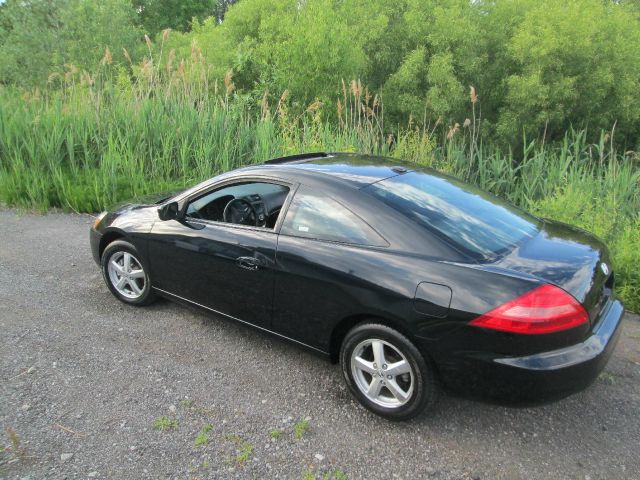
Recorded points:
474,221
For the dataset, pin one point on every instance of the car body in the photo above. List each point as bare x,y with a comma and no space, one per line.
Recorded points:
339,240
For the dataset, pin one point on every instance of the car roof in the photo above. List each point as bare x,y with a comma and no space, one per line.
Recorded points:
356,170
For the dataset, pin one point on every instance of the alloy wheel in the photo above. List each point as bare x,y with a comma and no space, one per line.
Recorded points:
382,373
127,275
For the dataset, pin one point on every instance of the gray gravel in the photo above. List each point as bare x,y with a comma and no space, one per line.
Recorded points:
83,378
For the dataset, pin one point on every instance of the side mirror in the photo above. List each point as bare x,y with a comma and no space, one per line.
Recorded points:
169,211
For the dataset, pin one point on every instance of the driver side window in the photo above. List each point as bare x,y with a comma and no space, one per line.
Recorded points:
248,203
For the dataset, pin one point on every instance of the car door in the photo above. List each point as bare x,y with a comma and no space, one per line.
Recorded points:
225,267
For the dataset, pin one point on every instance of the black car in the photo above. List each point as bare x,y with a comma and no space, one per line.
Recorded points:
411,279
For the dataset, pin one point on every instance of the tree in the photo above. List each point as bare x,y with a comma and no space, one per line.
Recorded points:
156,15
39,37
28,35
441,55
306,47
221,7
562,63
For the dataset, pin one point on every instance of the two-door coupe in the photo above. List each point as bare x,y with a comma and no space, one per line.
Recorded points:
411,279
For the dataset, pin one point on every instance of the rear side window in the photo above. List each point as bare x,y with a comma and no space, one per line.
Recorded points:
469,218
312,215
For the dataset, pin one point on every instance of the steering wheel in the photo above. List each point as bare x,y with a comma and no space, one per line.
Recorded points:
240,211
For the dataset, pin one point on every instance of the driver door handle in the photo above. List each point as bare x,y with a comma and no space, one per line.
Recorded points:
248,263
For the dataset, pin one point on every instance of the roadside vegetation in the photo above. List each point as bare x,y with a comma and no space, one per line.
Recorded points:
535,101
165,423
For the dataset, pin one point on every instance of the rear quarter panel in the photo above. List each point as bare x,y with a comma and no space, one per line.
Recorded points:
319,284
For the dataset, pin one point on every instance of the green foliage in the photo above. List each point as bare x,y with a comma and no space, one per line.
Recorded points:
337,474
201,439
540,67
165,423
303,47
38,38
96,140
607,377
308,475
156,15
276,434
203,436
441,56
572,62
300,428
245,452
16,448
415,145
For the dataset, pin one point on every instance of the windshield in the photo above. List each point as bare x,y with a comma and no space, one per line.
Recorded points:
474,221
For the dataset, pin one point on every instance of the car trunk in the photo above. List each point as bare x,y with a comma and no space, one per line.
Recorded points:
567,257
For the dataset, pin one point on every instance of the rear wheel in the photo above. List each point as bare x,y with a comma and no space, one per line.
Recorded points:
386,372
125,274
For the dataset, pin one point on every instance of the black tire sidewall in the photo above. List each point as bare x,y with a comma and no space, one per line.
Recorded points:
124,246
425,387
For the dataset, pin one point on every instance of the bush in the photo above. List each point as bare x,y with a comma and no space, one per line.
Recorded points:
38,38
539,66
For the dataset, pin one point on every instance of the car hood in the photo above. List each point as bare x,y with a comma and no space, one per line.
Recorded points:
144,200
568,257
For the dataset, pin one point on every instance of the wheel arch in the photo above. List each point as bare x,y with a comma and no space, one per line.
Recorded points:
109,237
343,326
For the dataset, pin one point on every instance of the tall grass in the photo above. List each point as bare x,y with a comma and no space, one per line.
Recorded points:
84,148
91,140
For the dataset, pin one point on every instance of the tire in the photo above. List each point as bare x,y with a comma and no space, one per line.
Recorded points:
413,381
125,274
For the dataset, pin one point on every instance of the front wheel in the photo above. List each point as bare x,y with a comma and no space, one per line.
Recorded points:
386,372
125,274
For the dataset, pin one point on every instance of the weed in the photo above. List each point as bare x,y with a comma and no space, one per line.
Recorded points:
300,428
276,434
165,423
608,378
336,474
203,436
16,444
186,403
246,449
207,428
308,475
203,466
201,440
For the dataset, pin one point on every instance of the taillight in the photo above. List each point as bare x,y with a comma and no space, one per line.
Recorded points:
545,309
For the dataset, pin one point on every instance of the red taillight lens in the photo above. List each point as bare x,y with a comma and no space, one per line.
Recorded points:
545,309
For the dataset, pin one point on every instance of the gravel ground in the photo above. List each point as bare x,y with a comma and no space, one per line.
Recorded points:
83,378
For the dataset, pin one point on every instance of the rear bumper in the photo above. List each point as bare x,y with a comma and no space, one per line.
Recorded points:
544,376
94,240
